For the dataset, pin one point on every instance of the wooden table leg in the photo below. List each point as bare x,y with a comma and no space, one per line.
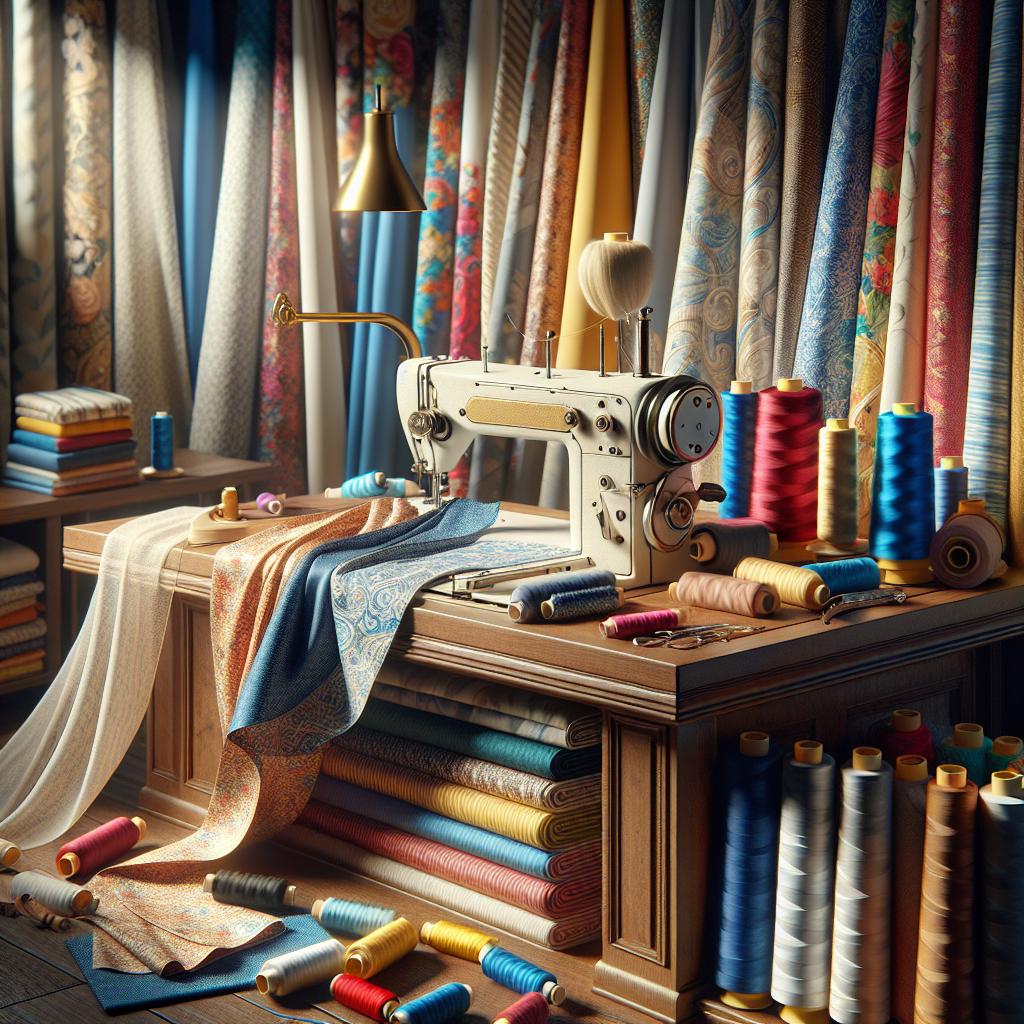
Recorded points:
655,800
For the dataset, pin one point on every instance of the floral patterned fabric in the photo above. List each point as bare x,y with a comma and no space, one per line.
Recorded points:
644,36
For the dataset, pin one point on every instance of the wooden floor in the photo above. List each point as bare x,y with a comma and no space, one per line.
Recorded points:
40,983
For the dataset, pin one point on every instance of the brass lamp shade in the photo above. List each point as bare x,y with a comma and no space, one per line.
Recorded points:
379,181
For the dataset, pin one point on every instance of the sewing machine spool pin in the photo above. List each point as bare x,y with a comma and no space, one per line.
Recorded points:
643,353
600,352
549,337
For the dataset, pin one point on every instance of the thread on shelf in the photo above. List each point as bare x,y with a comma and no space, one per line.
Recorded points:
945,953
268,502
443,1004
968,549
531,1008
622,627
801,962
526,599
1003,752
97,848
837,483
349,918
30,908
968,746
57,896
725,594
784,488
796,585
906,734
381,948
257,892
580,604
282,975
455,939
520,975
364,997
861,949
161,434
950,488
1002,909
848,575
10,853
720,547
739,423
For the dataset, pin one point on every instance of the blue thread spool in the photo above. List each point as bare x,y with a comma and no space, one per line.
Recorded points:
950,488
526,599
436,1007
520,975
161,435
739,419
848,575
903,502
369,485
579,604
969,747
749,795
351,919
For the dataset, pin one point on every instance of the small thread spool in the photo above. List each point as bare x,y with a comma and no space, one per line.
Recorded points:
393,487
55,895
967,550
349,918
229,504
725,594
268,502
739,423
369,485
161,432
968,746
906,734
443,1004
526,599
848,575
30,908
837,483
10,853
455,939
622,627
364,997
581,604
795,585
381,948
950,488
531,1008
1004,751
99,847
520,975
257,892
282,975
720,547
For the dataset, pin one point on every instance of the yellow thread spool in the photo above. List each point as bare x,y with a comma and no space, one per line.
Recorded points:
381,948
456,940
9,853
229,504
837,483
911,768
798,1015
795,585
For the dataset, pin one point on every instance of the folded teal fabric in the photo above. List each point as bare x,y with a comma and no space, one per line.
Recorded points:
57,462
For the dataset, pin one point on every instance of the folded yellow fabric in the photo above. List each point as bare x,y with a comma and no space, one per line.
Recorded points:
73,429
8,670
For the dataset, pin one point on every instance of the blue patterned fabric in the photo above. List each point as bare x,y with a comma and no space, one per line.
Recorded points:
828,325
987,434
118,993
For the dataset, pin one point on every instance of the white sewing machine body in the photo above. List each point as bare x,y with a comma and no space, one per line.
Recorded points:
630,439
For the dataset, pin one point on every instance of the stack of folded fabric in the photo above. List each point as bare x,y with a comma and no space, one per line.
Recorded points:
71,441
22,629
481,819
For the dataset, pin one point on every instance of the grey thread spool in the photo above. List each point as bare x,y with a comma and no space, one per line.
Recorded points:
861,936
1002,821
57,896
287,973
801,962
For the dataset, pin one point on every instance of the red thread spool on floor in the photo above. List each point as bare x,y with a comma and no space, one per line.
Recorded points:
784,491
363,996
96,849
531,1009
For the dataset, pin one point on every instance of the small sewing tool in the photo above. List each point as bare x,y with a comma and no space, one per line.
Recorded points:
257,892
847,575
161,433
864,599
97,848
720,547
520,975
31,908
690,638
455,939
562,606
527,598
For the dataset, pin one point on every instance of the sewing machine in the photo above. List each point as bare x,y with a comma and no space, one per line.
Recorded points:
631,441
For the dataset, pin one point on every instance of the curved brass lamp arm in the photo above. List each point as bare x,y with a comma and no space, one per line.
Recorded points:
286,314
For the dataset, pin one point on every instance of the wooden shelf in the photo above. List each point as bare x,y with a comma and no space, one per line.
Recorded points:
43,678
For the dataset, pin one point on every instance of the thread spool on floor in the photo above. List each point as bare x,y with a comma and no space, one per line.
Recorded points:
837,492
364,997
531,1008
282,975
57,896
520,975
256,892
795,585
349,918
99,847
967,550
455,939
443,1004
381,948
739,423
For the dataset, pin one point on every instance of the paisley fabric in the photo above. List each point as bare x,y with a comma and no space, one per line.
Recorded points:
348,99
1015,517
803,163
759,239
281,438
702,325
960,91
987,438
879,244
85,343
432,307
644,25
828,325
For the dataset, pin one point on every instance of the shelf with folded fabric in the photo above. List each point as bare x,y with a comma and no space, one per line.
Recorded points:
23,619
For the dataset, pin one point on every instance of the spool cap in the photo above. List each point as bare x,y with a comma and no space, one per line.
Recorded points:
268,979
905,720
208,883
672,592
553,993
69,864
821,594
747,1000
971,506
703,547
754,744
791,384
802,1015
951,462
425,930
515,611
968,736
837,424
82,900
11,855
1008,746
140,824
867,759
911,768
355,964
808,751
904,409
317,909
1008,784
951,776
616,236
740,387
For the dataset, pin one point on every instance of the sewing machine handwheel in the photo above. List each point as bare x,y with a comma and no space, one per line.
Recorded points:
711,492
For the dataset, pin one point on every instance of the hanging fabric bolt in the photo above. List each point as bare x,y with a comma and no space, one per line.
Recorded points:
257,892
364,997
54,895
381,948
837,491
161,439
526,599
739,422
272,503
282,975
725,594
10,853
1004,751
455,939
968,746
530,1009
967,550
580,604
97,848
443,1004
520,975
903,502
905,733
795,585
375,485
848,575
351,919
622,627
720,547
950,488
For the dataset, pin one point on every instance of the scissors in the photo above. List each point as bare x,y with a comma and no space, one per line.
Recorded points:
689,638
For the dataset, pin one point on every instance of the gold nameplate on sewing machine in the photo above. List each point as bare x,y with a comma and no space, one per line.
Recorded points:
532,415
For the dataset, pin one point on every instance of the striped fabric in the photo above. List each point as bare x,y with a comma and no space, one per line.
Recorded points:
1015,518
73,405
987,440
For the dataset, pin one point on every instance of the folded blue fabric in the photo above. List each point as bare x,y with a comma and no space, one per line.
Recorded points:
57,462
17,581
24,485
119,993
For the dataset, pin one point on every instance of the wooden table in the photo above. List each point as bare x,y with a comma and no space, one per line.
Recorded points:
952,654
36,520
